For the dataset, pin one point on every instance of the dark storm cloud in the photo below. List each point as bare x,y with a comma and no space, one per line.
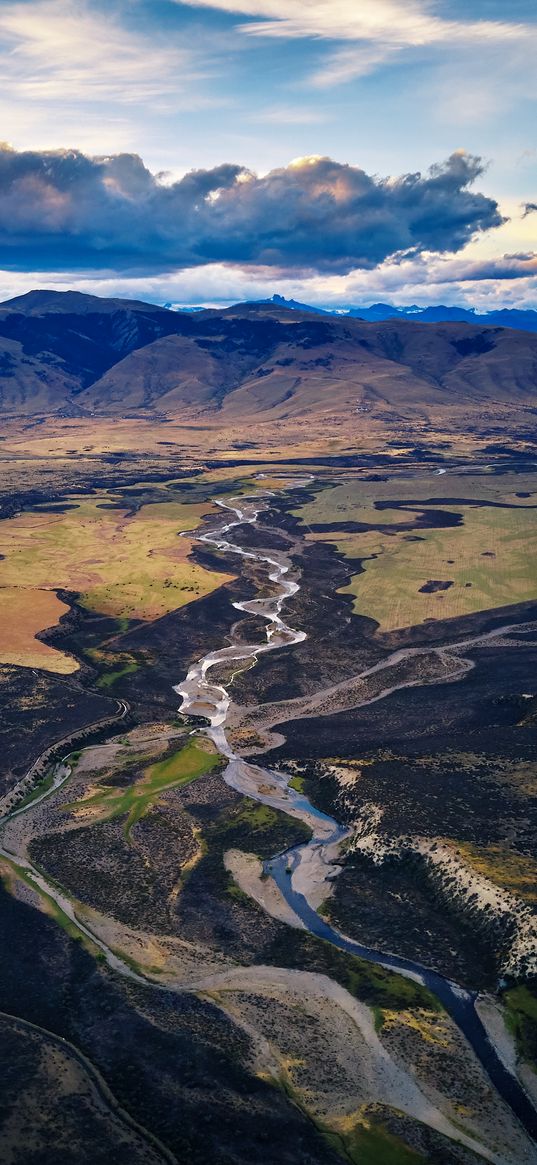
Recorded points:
529,208
63,210
522,265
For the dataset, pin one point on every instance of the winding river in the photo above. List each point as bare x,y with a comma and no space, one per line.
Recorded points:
303,871
298,869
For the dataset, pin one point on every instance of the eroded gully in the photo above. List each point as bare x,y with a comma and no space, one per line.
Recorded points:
301,872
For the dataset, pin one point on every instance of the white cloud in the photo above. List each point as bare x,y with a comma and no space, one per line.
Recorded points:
62,50
404,22
75,73
377,28
425,280
348,63
290,115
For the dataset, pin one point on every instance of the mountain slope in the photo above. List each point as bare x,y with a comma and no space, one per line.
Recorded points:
53,344
62,352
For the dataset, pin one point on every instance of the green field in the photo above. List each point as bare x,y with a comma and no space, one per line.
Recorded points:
110,677
129,566
355,500
490,561
194,759
352,501
371,1144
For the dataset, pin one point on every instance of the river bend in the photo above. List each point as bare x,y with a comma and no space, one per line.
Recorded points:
299,869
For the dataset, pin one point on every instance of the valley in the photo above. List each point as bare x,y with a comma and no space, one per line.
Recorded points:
268,805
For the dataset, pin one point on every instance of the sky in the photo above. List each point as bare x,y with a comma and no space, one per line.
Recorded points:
337,151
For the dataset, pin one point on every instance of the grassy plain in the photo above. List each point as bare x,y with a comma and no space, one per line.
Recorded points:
196,757
129,567
490,561
354,499
22,618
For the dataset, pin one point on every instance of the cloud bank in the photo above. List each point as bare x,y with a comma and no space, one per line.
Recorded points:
65,210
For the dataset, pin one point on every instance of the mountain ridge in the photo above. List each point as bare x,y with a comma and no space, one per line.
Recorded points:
67,352
521,319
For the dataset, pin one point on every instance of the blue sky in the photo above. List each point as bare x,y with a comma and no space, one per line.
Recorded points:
384,87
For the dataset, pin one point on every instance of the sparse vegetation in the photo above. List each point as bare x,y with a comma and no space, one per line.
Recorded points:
258,829
194,759
370,1144
506,868
10,871
369,982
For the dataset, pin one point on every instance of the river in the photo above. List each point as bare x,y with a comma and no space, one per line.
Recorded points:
293,870
301,867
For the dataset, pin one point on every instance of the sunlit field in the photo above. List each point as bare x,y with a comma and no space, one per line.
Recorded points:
125,566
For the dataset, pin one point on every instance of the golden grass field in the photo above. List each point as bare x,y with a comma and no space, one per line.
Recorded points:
491,560
24,613
70,440
65,448
126,567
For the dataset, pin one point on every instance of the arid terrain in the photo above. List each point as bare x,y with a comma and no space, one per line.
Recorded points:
269,764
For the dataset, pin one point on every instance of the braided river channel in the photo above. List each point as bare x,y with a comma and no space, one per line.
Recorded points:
296,870
305,871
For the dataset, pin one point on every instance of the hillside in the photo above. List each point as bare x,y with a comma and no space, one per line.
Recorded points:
54,344
81,355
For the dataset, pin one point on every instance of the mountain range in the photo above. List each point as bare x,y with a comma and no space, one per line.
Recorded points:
67,353
524,320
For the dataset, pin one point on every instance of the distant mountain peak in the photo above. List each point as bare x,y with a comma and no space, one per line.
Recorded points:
44,301
293,305
522,319
46,298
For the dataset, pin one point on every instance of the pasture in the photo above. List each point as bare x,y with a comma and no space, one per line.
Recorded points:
128,566
22,618
410,576
490,561
354,499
